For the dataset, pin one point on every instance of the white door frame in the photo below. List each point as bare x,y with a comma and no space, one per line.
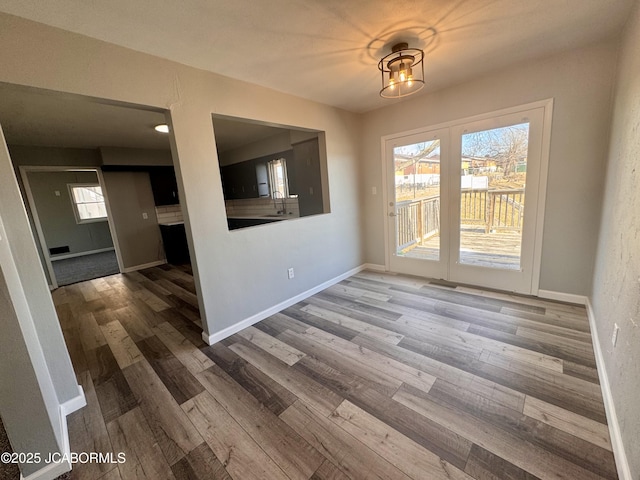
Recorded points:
547,106
517,280
24,171
413,266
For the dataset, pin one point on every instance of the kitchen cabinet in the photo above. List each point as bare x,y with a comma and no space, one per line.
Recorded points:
239,180
164,186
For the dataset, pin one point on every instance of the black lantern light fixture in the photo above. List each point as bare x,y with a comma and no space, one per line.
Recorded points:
402,71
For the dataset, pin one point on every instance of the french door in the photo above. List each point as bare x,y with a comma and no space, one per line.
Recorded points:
464,202
419,227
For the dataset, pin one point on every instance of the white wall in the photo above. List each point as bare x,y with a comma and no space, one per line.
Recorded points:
241,272
56,212
47,156
27,311
24,410
580,82
616,287
30,273
130,196
23,155
136,156
266,146
279,142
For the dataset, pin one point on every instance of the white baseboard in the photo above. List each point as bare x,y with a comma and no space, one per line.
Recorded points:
53,470
49,472
375,267
622,464
81,254
563,297
74,404
143,266
247,322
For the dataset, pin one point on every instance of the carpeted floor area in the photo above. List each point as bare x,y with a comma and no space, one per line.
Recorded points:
10,471
87,267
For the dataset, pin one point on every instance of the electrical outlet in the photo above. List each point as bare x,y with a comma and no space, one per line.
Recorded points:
374,190
614,337
57,192
290,273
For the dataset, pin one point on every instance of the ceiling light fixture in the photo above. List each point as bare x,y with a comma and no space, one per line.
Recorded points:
402,71
162,128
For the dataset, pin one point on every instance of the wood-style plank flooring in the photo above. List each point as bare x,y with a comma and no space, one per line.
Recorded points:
379,376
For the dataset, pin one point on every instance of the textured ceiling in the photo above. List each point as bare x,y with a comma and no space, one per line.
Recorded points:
233,133
31,116
37,117
327,50
323,50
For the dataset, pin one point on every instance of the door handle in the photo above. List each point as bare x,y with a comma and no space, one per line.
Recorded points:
393,214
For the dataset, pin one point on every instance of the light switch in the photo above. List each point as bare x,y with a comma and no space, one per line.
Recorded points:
57,192
374,190
145,216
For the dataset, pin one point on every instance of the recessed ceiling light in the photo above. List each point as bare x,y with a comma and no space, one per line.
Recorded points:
162,128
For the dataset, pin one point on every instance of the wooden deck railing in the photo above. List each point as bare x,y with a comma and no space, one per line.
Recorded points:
417,220
495,210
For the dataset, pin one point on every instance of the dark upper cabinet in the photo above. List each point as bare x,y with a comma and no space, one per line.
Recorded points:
240,181
164,186
250,178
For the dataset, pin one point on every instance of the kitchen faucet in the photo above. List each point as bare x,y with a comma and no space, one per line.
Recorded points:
284,202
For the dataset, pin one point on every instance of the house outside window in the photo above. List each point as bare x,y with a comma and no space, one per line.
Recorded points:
88,202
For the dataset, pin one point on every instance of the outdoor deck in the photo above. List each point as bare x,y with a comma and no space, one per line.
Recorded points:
494,250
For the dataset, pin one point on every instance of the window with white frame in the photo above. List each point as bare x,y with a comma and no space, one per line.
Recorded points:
278,178
88,202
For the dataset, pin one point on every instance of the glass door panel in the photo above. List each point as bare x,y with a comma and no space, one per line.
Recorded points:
455,200
498,163
417,203
493,170
417,199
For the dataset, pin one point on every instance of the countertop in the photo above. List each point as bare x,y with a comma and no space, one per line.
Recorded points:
261,217
171,224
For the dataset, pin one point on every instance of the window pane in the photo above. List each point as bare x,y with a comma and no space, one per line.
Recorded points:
278,178
89,202
417,180
87,194
493,171
91,210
